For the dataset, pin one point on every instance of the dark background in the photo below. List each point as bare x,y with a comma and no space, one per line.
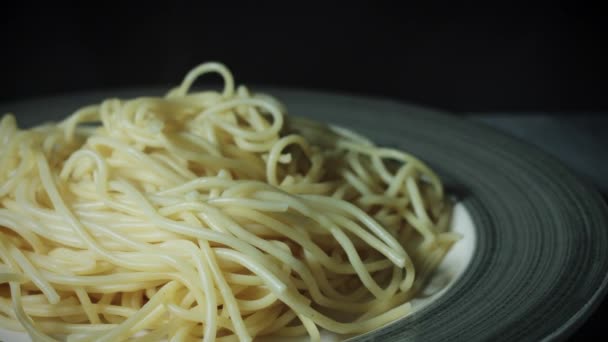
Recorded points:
500,57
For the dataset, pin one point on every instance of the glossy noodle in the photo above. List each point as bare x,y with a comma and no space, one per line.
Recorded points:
209,215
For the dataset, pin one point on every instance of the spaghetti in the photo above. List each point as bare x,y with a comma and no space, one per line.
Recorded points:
209,215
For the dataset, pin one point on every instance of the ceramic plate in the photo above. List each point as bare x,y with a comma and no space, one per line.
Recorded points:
537,251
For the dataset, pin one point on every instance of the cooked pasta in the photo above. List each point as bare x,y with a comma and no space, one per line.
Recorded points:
209,215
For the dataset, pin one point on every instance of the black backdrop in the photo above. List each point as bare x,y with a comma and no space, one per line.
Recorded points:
499,57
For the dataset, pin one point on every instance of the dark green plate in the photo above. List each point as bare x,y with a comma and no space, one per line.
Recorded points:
540,263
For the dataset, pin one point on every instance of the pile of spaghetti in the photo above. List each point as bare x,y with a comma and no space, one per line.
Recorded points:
209,215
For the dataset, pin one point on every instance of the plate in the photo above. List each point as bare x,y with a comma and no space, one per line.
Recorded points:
540,263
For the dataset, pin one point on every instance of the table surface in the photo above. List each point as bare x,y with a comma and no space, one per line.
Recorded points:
580,142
